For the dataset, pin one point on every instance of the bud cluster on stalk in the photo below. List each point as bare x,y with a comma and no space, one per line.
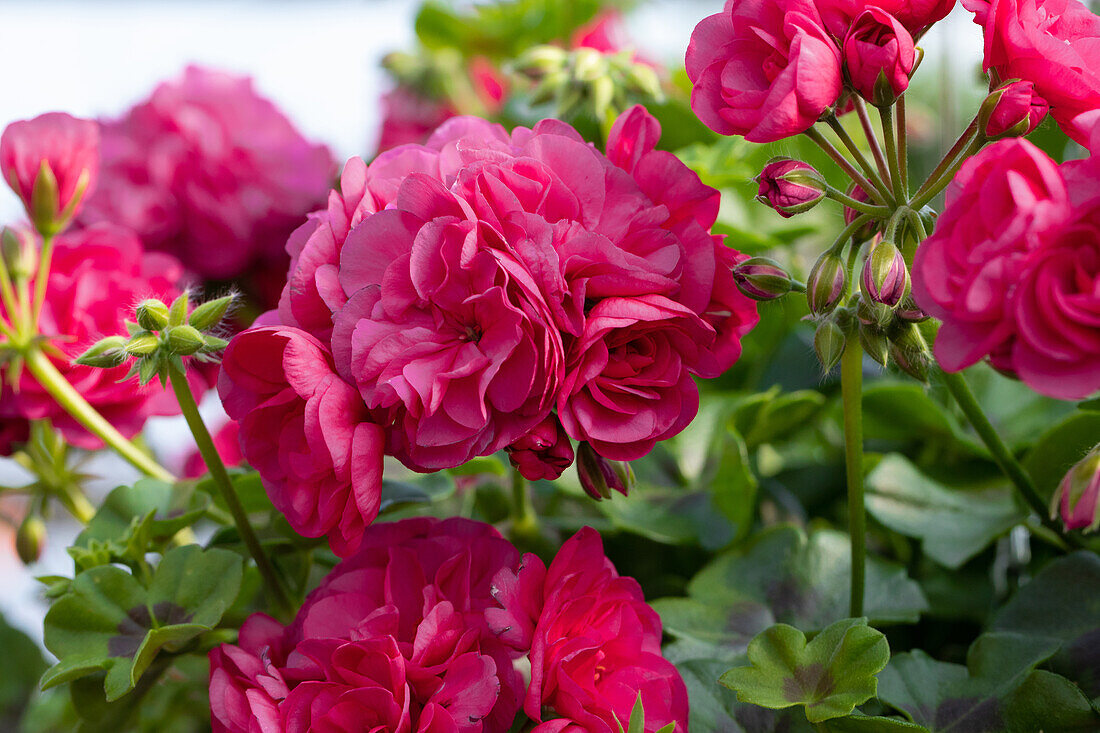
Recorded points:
585,80
160,336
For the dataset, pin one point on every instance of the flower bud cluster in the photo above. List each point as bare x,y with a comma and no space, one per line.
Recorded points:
160,336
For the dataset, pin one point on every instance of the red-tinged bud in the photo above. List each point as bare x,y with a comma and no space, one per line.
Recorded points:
790,186
826,284
885,277
599,476
762,278
544,452
1077,499
51,163
1011,110
880,56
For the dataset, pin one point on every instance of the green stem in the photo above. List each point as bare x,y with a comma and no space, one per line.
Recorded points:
849,231
850,144
525,522
77,504
950,156
8,299
214,464
43,370
41,278
851,390
846,165
862,207
933,188
903,146
887,115
1002,456
872,138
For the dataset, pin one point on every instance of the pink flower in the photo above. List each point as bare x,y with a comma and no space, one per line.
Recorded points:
1015,110
879,56
97,275
594,642
1056,305
544,452
1000,207
57,154
227,441
306,431
210,171
393,640
1051,43
765,69
1077,498
915,15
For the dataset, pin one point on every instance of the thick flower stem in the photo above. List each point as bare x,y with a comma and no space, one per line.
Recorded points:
43,370
887,115
1002,456
525,522
846,165
217,470
851,390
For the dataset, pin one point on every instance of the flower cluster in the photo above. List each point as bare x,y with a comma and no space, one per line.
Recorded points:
769,69
97,274
404,636
210,172
1013,268
490,291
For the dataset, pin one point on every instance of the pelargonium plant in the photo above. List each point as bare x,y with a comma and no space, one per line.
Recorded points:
550,427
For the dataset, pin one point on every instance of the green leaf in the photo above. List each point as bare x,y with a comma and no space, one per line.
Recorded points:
172,507
905,413
1061,604
783,576
23,665
1059,448
780,417
109,622
995,692
830,675
953,526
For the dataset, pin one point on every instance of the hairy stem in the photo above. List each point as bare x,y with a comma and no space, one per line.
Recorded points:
217,470
872,137
851,389
54,382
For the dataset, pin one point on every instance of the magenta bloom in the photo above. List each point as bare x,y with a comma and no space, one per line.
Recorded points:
1001,206
879,55
915,15
210,171
58,154
98,273
1055,44
306,431
765,69
594,642
394,640
544,452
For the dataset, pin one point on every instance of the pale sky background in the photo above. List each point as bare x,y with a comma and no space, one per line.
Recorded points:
317,59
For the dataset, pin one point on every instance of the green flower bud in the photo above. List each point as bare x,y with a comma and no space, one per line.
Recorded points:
20,252
177,312
185,340
152,314
874,342
142,343
761,278
826,284
105,353
829,343
210,313
30,539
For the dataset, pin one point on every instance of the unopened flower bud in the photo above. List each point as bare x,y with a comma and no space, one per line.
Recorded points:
910,312
142,343
20,252
541,60
152,314
184,340
177,312
1011,110
1078,496
30,539
874,342
762,278
909,351
599,476
880,56
105,353
210,313
829,343
790,186
885,277
826,284
875,315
